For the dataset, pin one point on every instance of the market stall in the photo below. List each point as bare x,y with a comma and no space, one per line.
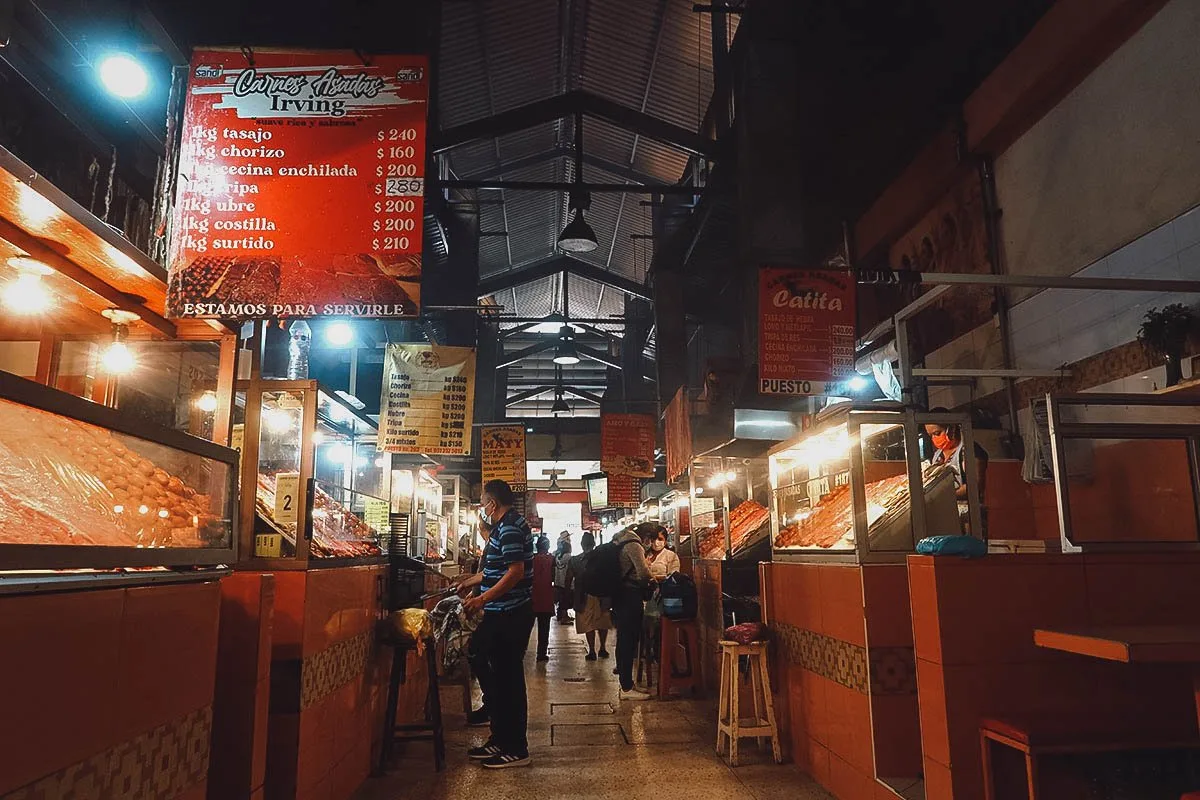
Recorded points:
117,506
836,592
315,513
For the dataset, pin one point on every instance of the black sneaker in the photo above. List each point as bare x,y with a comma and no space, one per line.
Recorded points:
604,654
506,760
479,718
484,753
590,657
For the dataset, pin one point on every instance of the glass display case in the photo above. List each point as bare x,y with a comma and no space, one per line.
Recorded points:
729,498
84,486
417,497
841,490
314,490
1126,472
463,546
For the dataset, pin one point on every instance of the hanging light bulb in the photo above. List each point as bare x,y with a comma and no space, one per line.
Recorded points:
577,236
560,405
565,352
207,402
554,488
118,358
123,75
27,294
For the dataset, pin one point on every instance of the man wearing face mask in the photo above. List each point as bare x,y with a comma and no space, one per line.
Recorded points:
506,598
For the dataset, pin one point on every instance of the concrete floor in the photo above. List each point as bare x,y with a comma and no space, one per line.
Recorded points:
587,745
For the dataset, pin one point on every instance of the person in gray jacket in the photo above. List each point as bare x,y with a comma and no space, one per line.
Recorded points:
627,609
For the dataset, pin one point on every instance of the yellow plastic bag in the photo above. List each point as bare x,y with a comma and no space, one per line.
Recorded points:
412,625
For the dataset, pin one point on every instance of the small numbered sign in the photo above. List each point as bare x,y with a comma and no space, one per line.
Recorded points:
287,497
268,545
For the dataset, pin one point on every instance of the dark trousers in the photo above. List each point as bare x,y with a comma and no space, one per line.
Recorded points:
497,652
543,625
563,599
627,614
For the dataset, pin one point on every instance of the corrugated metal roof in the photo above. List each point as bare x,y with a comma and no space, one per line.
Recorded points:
651,56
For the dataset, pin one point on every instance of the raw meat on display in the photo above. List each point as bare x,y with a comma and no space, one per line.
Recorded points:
64,482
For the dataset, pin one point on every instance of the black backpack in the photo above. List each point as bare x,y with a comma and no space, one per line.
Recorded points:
678,593
601,575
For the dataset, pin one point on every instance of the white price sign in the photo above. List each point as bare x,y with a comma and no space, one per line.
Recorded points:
287,497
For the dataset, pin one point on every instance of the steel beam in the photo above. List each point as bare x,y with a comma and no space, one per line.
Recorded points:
553,266
568,105
598,356
566,186
527,394
580,393
512,358
517,164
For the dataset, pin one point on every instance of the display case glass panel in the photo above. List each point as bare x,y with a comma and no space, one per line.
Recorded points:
729,491
844,488
83,485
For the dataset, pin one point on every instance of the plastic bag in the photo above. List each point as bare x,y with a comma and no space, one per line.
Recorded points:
965,546
412,626
746,632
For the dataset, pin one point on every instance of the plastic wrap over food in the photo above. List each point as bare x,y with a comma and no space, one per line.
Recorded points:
65,482
412,625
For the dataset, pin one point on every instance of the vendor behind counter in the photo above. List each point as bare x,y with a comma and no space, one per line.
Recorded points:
948,449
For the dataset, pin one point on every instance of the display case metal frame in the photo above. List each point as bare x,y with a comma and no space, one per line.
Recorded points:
1174,424
47,557
854,416
310,391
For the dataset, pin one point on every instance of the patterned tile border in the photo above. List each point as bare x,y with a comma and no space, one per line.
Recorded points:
839,661
156,765
878,671
893,670
323,673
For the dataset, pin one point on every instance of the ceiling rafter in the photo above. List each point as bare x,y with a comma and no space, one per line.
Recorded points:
556,265
564,105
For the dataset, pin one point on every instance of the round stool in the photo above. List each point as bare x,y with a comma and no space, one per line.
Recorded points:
730,724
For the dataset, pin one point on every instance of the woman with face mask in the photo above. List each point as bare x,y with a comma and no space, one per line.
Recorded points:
663,562
948,449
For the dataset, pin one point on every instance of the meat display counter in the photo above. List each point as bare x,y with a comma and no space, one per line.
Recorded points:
85,487
314,489
729,515
841,490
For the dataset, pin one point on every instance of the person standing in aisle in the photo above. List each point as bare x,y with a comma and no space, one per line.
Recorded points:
627,609
543,595
562,563
662,562
506,599
593,615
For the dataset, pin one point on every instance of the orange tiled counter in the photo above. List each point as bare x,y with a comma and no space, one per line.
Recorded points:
974,621
846,681
328,681
108,693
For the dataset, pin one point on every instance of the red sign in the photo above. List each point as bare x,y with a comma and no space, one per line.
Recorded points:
624,491
301,186
805,330
627,445
678,435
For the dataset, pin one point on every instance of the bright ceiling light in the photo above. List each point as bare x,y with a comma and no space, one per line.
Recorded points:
856,383
207,402
26,295
123,75
278,420
339,334
339,453
117,359
577,236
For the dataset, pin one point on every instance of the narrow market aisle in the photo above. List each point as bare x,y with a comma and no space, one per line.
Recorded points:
586,744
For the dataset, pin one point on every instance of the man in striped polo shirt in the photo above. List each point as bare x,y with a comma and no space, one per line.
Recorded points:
506,597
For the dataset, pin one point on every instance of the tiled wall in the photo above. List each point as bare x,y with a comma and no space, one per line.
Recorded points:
108,689
973,623
328,680
844,657
240,708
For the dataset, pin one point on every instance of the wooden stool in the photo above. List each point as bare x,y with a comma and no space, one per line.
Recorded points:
729,722
431,729
678,638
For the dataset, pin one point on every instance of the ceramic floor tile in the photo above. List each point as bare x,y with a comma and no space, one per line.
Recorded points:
669,744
